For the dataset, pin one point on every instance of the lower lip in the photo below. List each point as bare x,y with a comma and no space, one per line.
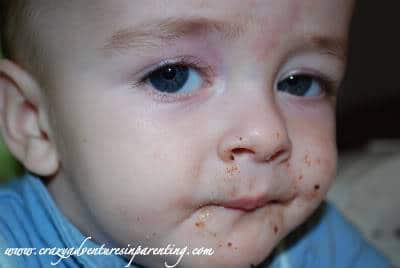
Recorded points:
246,205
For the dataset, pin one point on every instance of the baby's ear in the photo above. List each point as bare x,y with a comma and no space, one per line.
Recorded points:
23,120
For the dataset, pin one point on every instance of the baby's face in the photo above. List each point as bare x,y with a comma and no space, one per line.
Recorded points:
194,123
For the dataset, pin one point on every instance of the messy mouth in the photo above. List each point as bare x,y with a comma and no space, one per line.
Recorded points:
249,204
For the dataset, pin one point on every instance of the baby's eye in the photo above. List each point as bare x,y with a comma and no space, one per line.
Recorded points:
301,85
175,78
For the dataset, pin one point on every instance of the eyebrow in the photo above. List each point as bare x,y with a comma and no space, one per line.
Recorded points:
334,46
153,34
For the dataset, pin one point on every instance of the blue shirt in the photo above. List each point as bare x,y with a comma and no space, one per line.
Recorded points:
30,219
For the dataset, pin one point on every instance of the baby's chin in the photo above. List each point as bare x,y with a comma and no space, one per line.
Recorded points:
237,260
243,252
225,256
237,238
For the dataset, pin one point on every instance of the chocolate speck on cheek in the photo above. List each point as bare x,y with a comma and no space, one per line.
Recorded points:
229,244
240,138
307,160
314,192
200,224
276,229
300,177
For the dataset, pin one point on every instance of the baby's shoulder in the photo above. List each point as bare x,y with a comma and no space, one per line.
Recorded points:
328,239
14,216
16,228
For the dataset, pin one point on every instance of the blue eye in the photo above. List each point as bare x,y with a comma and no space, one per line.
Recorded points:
301,85
175,79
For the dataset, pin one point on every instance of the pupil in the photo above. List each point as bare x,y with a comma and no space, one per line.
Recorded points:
296,85
292,81
169,73
169,79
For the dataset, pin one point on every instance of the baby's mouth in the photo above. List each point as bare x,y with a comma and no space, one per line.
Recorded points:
248,203
253,202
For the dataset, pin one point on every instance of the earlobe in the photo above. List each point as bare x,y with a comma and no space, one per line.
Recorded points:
20,111
40,157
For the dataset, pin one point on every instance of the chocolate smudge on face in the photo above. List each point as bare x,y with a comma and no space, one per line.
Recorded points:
200,224
307,160
316,187
229,244
230,171
276,229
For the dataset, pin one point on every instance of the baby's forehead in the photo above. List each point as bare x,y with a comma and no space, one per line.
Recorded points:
222,9
93,23
268,19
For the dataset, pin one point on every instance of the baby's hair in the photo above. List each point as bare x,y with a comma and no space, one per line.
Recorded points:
4,6
8,14
16,21
19,34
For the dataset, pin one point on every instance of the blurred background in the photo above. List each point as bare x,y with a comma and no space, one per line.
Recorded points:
367,188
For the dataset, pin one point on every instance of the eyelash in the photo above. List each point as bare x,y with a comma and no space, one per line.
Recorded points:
206,72
328,84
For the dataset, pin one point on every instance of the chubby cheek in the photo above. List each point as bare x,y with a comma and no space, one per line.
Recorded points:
314,156
137,170
152,197
316,166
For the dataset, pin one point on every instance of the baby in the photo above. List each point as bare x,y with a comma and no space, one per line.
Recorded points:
187,124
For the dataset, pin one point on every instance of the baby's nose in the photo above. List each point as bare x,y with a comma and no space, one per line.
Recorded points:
259,133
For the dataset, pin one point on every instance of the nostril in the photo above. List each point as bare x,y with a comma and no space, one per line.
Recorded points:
276,155
238,151
279,156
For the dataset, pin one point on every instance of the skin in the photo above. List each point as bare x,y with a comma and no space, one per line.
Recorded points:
128,168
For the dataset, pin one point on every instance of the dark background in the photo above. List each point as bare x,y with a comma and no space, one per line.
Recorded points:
369,100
